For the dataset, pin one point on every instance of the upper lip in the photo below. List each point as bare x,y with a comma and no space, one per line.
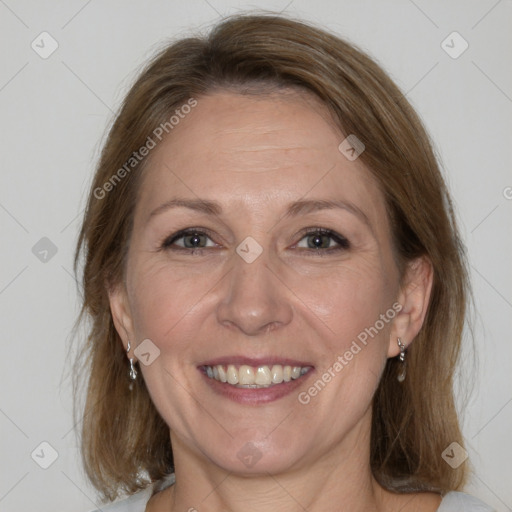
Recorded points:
255,362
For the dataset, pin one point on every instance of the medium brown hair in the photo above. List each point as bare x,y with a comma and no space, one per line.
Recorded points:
125,442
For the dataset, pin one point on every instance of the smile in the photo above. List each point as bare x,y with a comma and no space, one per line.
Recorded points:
263,376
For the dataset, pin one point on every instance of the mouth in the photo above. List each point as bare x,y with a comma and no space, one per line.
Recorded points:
254,381
254,377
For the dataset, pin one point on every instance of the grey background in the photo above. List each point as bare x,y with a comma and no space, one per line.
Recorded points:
55,112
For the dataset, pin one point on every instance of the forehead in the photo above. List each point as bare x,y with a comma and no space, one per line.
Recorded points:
259,152
254,133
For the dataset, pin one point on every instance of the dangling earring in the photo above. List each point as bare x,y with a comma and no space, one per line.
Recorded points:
133,371
403,369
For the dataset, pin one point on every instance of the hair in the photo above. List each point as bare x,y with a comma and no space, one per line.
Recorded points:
125,442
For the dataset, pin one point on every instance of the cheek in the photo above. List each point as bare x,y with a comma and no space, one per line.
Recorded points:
354,313
337,302
351,360
161,299
347,300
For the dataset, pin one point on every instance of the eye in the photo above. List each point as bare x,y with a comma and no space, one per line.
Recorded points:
320,240
189,240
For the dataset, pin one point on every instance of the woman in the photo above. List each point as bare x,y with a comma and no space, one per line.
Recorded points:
276,286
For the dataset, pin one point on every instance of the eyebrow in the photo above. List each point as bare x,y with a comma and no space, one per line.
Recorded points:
300,207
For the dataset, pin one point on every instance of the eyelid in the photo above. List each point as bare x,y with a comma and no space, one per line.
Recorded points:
343,244
342,241
169,240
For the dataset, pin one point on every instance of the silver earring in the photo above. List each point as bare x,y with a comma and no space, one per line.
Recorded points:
403,369
133,371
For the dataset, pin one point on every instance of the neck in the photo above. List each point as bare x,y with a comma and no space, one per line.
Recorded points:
339,479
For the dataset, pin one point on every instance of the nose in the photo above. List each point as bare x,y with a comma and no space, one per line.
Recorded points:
254,300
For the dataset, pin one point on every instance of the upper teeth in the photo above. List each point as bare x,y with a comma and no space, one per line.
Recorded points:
262,376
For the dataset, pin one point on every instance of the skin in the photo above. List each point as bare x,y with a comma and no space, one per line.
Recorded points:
255,155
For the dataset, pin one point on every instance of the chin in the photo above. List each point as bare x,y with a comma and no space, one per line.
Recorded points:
255,455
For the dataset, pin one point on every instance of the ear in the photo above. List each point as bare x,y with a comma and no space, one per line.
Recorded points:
121,315
414,297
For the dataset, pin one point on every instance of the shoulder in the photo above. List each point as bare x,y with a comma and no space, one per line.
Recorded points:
461,502
137,502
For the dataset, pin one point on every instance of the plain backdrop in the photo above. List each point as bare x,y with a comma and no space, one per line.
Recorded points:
55,110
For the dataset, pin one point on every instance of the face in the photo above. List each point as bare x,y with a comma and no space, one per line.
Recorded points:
278,277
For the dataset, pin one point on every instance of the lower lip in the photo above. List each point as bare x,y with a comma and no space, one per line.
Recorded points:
255,396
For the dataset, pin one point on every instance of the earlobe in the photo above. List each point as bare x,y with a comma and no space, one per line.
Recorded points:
121,315
414,297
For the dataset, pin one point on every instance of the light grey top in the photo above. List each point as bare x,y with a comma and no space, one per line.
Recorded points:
452,501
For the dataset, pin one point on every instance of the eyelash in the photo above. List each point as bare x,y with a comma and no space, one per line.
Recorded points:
343,243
